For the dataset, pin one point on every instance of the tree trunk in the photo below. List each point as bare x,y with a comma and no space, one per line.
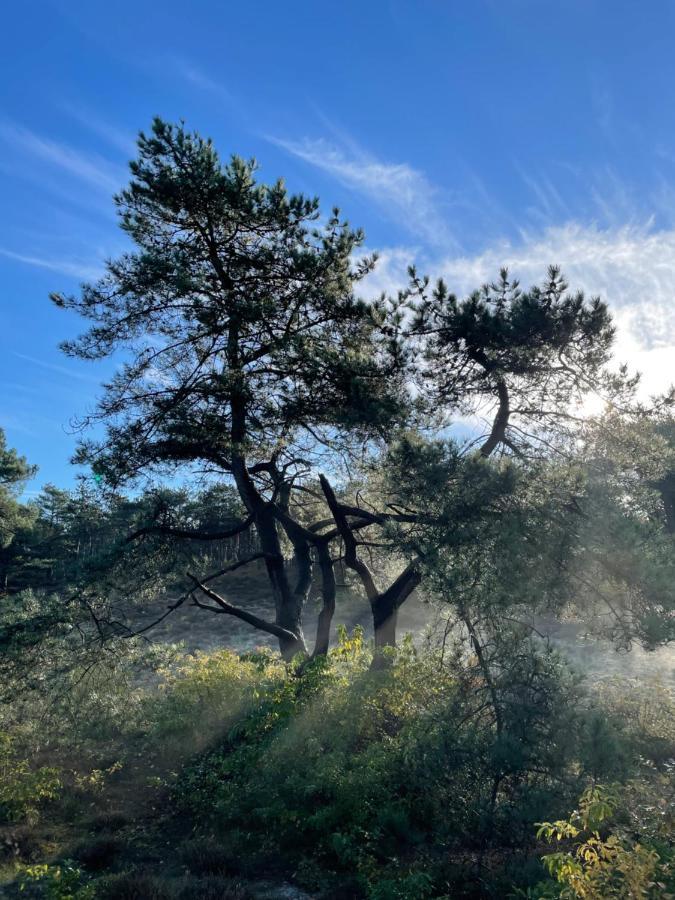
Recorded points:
287,603
328,588
666,488
384,604
501,421
385,607
385,616
288,609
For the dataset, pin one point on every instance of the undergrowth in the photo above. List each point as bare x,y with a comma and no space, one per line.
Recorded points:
401,782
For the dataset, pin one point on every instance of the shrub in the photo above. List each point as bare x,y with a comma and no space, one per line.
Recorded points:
597,862
108,821
143,886
345,887
646,711
339,771
206,694
213,887
64,881
415,886
604,750
22,789
98,854
20,843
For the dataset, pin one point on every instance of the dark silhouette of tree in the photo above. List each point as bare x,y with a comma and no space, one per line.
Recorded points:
250,355
250,359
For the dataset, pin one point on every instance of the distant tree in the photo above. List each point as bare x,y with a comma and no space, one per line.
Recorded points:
14,515
71,574
14,473
625,567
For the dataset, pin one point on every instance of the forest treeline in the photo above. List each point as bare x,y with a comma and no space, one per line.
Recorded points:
315,434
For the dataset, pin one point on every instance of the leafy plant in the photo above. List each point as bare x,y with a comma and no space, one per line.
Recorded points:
599,866
22,788
64,881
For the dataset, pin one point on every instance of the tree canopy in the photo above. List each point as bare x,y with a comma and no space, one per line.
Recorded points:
14,473
251,360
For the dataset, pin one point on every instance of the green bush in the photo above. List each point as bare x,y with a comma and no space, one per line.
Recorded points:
338,771
213,887
98,854
64,881
599,859
205,857
387,784
206,694
23,789
415,886
645,711
143,886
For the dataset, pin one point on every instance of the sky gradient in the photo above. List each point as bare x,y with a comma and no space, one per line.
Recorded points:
460,136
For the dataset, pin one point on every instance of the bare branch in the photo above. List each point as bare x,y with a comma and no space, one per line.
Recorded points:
351,556
244,615
193,534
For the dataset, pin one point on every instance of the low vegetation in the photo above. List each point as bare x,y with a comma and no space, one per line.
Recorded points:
237,771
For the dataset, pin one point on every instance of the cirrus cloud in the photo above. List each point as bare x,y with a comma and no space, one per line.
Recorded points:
632,268
403,193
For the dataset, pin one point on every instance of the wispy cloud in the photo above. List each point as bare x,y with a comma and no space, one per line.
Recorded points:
54,367
196,77
119,138
73,268
632,268
568,193
92,169
401,191
550,205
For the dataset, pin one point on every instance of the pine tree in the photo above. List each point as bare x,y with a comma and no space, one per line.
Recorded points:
249,354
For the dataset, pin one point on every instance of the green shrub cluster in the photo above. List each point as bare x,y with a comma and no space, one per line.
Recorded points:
415,780
205,694
23,788
395,782
63,881
600,857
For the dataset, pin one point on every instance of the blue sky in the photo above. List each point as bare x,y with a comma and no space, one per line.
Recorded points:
460,135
